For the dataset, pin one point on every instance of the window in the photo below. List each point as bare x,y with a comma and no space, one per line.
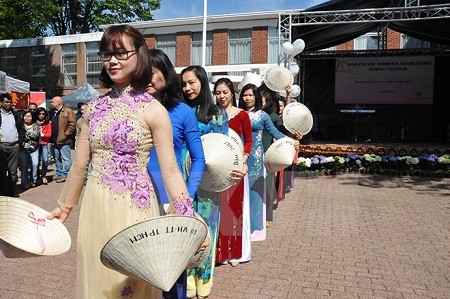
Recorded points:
168,44
240,46
69,65
37,67
333,48
10,62
94,63
197,48
274,47
408,42
368,41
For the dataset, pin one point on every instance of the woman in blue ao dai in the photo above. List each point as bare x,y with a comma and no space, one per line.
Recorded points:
251,101
210,119
166,88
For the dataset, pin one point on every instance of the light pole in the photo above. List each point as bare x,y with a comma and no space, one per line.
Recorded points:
205,9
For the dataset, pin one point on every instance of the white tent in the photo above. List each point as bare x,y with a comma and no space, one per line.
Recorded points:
8,84
84,94
2,81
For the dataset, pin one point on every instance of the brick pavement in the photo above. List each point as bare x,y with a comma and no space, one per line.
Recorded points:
346,236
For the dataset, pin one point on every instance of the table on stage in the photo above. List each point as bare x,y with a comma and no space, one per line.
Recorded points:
356,112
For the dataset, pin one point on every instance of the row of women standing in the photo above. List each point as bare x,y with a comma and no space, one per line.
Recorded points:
137,150
235,216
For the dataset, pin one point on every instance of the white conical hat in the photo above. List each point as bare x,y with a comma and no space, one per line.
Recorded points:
201,255
279,155
26,232
222,155
156,251
276,78
235,137
297,117
250,78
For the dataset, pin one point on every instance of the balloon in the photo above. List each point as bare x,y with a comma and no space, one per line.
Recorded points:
298,46
295,92
287,47
294,69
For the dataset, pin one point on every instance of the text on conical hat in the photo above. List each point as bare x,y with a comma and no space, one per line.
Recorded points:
158,232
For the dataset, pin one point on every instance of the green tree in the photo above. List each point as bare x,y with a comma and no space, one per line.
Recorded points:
83,16
36,18
24,18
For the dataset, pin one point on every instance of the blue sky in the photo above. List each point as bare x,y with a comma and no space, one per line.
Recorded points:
171,9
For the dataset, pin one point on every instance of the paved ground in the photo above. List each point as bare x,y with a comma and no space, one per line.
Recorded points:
348,236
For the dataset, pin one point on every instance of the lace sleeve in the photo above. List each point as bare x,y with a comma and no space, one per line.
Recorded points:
75,180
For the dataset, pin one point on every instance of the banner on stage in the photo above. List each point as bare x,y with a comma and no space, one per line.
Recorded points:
384,80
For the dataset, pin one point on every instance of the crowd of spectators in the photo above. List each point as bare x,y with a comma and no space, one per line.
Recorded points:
32,138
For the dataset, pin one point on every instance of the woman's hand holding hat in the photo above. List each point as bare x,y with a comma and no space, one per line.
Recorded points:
185,207
60,213
207,242
238,174
296,144
288,89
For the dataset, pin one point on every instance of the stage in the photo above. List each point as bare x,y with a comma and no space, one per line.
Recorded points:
381,149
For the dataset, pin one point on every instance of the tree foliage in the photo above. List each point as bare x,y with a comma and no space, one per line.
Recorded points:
36,18
24,18
83,16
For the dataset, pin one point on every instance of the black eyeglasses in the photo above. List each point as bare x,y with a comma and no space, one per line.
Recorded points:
41,113
120,55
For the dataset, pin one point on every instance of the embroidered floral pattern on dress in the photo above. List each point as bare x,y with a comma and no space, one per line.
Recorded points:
230,116
257,155
128,288
126,291
209,210
134,100
184,207
123,173
102,107
122,168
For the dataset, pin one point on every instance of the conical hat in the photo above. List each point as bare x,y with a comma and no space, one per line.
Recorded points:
279,155
26,232
201,255
235,137
297,117
222,155
250,78
156,251
277,77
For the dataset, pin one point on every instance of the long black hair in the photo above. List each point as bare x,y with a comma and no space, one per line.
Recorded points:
205,108
271,97
42,109
256,93
230,86
171,93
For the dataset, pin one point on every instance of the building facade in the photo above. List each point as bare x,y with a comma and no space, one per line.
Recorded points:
235,44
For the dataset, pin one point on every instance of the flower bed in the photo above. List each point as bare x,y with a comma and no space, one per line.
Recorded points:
423,165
